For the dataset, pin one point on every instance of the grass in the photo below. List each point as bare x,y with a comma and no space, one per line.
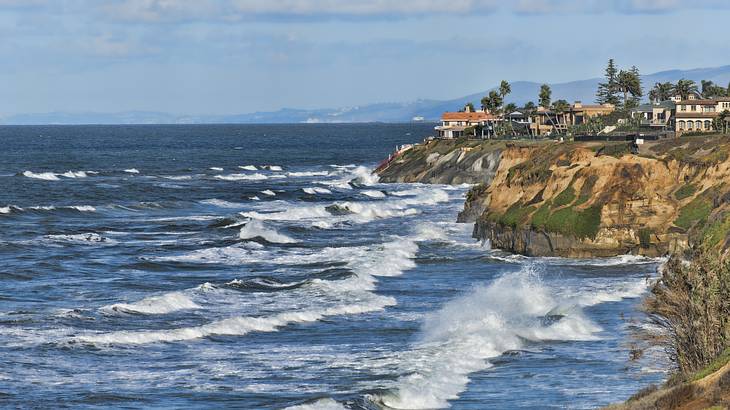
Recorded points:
515,215
716,364
565,197
579,223
645,237
586,190
540,217
693,213
685,191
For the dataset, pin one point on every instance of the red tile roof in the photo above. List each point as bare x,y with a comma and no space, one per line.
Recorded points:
467,116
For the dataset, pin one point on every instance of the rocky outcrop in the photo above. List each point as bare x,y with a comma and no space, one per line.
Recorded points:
451,162
583,199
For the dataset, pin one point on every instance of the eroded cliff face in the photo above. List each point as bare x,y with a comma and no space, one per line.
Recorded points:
446,162
590,199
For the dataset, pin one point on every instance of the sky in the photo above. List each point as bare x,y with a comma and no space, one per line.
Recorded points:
219,57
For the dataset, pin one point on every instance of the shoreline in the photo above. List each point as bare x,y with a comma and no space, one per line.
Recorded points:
596,199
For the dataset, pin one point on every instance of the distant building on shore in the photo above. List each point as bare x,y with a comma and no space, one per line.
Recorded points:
548,122
655,115
699,115
459,124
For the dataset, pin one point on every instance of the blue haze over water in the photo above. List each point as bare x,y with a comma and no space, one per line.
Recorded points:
264,267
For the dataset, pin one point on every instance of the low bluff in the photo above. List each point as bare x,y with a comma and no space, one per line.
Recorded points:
583,199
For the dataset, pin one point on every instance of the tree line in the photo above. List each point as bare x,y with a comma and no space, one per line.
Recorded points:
621,88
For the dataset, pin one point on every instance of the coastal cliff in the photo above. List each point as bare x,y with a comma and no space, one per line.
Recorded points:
582,199
603,199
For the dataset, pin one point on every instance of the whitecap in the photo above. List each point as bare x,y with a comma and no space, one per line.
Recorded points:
90,238
242,177
268,192
248,167
132,171
373,194
237,326
316,190
221,203
254,198
321,404
272,167
155,305
256,229
308,174
216,169
75,174
47,176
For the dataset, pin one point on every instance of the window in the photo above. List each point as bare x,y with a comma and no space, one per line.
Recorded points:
690,125
698,125
681,125
684,107
694,108
708,125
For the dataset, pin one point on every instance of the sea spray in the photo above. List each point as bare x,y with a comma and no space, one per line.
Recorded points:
459,339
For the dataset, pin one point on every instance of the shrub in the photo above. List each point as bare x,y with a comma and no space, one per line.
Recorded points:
685,191
515,215
694,212
692,303
645,237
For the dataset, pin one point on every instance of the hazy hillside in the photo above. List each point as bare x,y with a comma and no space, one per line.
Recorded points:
522,91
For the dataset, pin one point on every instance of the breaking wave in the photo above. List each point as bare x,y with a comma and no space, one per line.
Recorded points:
154,305
46,176
256,229
461,337
242,177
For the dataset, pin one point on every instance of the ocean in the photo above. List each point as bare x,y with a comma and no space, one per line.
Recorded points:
265,267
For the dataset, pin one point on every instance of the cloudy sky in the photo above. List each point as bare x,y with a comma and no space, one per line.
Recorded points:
236,56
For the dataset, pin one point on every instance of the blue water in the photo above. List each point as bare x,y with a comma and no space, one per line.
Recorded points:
264,267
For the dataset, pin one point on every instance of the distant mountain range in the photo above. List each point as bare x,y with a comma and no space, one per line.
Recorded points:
428,110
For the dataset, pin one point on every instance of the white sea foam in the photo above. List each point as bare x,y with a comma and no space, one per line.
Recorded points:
75,174
178,177
316,190
242,177
254,198
373,193
272,167
216,169
221,203
248,167
257,229
459,339
155,305
321,404
46,176
268,192
5,210
132,171
238,326
82,239
308,174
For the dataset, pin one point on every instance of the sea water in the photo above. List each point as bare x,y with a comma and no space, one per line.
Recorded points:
265,267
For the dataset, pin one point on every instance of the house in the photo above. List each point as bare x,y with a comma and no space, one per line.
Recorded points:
453,124
548,122
658,115
698,115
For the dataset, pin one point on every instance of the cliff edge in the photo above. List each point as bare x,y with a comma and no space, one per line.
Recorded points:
582,199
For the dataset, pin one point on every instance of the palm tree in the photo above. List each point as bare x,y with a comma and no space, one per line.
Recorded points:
685,87
661,92
504,88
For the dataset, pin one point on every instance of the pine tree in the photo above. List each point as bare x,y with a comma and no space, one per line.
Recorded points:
608,91
545,96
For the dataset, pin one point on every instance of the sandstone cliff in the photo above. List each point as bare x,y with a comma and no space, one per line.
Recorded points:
583,199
